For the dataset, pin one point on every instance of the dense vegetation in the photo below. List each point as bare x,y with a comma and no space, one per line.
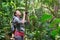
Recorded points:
44,18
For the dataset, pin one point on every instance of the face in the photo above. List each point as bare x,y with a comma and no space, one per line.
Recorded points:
18,13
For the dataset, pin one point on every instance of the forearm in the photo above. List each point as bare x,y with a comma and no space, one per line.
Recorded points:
23,18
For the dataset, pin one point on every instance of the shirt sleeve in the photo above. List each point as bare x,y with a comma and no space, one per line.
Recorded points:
16,20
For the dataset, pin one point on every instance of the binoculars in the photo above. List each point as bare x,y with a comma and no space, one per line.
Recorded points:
26,13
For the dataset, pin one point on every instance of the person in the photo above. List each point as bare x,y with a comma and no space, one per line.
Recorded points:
18,25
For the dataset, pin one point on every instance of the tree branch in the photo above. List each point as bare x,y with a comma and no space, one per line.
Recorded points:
52,12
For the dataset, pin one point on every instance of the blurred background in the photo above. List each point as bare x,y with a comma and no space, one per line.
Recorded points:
44,18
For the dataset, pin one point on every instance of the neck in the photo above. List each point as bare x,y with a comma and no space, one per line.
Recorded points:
18,16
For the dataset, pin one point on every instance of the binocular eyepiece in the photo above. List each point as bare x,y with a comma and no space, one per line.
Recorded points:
26,13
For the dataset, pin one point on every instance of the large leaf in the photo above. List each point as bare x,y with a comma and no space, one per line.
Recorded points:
54,22
54,33
45,17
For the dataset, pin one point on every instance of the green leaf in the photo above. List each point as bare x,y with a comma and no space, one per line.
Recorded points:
57,20
54,33
54,22
45,17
